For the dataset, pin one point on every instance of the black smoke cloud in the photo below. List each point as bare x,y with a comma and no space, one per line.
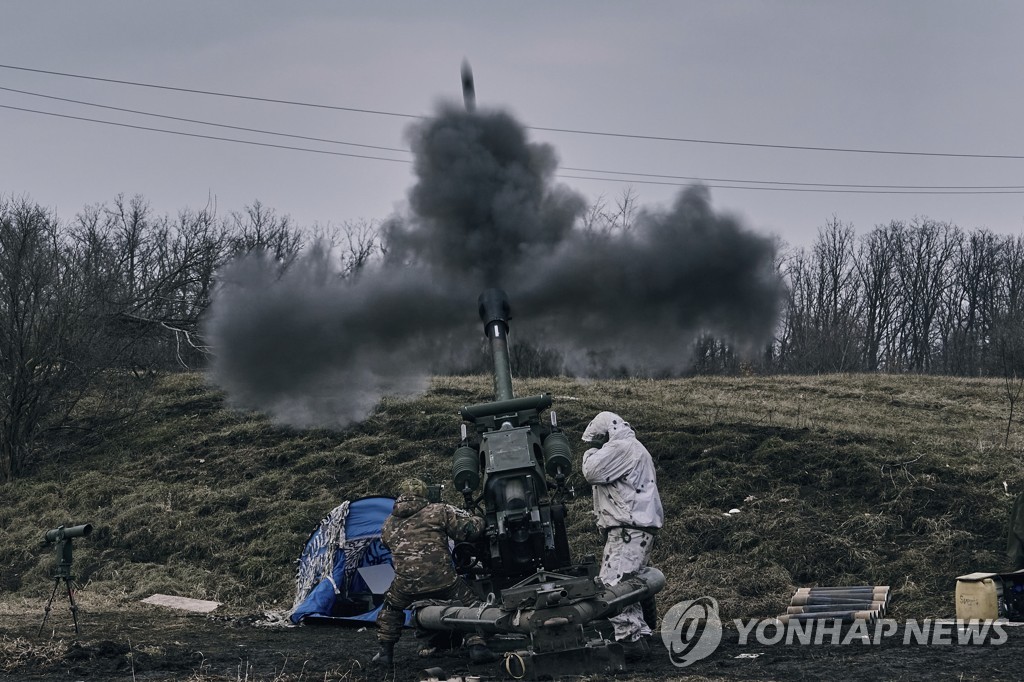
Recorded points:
312,349
635,300
485,201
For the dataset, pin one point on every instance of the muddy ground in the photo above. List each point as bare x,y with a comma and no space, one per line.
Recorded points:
158,644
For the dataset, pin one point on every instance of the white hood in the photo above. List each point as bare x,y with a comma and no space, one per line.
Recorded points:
607,422
622,475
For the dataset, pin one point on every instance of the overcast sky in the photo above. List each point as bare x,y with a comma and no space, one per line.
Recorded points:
933,77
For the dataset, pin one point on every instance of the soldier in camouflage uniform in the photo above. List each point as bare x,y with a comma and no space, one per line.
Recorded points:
417,534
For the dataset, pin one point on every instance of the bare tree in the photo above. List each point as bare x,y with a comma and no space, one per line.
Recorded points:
1010,334
594,218
192,249
795,334
529,359
626,207
836,303
49,329
923,297
924,253
360,243
130,221
154,277
819,333
970,304
875,266
258,228
601,219
1011,353
713,355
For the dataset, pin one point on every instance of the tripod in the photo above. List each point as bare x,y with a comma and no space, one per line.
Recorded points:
63,572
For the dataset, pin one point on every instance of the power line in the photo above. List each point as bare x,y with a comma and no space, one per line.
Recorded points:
799,187
210,92
827,189
783,182
205,123
846,150
204,137
564,168
573,131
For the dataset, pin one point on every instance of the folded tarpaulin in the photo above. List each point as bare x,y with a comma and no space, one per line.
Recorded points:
329,585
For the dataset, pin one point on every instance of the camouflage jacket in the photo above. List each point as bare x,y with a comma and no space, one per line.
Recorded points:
417,534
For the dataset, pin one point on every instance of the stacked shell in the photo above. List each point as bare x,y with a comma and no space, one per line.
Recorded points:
847,604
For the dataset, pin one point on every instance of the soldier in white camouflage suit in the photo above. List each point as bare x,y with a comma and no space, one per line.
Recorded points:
417,534
629,513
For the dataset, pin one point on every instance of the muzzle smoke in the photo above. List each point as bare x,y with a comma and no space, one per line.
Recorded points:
313,349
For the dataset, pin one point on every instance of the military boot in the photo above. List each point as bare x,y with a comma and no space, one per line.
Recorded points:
635,650
386,654
481,653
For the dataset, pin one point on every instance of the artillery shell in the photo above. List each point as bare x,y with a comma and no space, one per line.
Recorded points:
468,89
843,616
807,599
843,590
875,606
850,588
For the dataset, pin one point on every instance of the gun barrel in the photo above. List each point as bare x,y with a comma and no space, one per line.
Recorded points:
494,619
495,313
471,413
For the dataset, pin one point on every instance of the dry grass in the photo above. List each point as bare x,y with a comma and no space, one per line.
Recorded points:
18,653
840,479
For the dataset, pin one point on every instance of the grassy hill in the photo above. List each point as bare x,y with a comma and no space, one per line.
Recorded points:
840,479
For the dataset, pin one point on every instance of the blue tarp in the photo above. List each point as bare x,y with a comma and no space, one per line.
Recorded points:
352,600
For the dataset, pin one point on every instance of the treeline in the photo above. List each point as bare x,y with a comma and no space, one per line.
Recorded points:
119,291
924,296
921,296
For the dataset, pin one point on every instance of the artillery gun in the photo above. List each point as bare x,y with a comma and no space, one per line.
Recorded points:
524,465
548,608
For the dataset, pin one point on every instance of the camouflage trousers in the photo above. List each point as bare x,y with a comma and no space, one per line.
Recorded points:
626,550
392,614
1015,534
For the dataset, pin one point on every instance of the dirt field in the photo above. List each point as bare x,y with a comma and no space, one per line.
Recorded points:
155,644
